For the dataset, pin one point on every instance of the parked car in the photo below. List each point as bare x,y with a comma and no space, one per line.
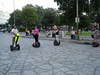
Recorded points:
3,30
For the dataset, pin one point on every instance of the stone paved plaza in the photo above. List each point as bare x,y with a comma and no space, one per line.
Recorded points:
66,59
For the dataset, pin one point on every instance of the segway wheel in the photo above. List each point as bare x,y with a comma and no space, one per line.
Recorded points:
11,48
33,45
18,47
56,43
94,44
38,44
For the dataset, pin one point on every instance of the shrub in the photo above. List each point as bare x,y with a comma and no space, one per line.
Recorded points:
9,29
32,28
21,29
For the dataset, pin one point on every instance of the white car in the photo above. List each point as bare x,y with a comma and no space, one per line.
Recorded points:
3,30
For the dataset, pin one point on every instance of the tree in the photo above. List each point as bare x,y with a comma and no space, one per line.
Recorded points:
57,20
29,16
17,18
69,8
84,21
49,17
40,13
95,10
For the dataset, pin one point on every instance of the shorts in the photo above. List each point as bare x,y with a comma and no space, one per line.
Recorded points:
95,37
13,39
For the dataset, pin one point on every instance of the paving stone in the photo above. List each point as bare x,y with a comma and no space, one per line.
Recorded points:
59,73
97,71
47,73
14,71
13,74
4,57
71,73
57,65
30,72
56,71
40,70
47,67
1,73
65,69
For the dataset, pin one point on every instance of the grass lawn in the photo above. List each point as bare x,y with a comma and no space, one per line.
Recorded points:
83,33
40,32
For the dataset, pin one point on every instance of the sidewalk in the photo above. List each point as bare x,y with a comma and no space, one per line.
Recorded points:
82,40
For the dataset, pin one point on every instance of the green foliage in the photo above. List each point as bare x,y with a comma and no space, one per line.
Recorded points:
84,21
69,14
57,20
83,33
17,18
32,28
40,13
95,10
21,29
9,29
69,8
49,17
91,8
29,16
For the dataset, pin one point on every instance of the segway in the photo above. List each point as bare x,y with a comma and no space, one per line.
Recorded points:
94,44
56,43
17,46
36,44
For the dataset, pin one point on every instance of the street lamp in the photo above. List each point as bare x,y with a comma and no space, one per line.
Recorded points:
77,20
14,10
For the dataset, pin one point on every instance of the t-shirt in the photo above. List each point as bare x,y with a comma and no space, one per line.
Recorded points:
73,32
96,33
57,33
26,30
14,31
36,32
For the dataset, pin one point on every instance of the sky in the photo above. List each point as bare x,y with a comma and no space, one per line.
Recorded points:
7,5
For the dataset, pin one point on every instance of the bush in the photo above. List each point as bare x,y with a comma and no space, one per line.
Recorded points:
32,28
21,29
9,29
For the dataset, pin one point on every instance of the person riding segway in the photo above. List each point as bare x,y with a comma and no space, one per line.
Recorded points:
95,37
56,41
15,39
36,34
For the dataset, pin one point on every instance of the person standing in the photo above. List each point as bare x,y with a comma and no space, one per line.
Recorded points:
36,34
30,31
14,32
26,31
